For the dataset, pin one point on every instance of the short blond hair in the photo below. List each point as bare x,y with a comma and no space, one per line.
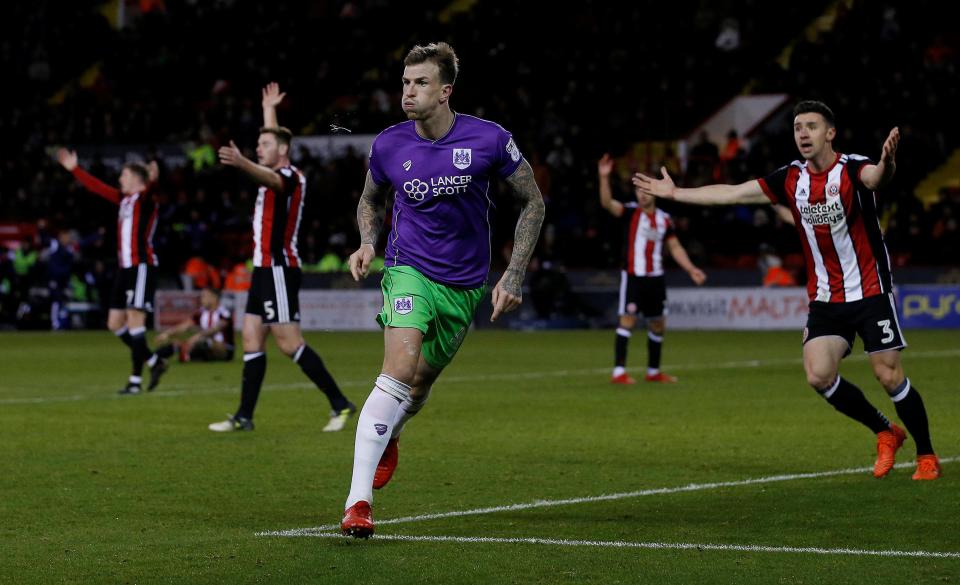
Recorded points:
440,53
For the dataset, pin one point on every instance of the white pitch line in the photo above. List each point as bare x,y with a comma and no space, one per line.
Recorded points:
693,487
661,545
174,390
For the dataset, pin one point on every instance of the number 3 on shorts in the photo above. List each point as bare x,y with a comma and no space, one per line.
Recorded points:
270,313
888,334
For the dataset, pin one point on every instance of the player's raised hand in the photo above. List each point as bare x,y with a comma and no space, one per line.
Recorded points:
664,188
272,96
67,158
507,295
889,153
697,276
230,155
360,261
605,165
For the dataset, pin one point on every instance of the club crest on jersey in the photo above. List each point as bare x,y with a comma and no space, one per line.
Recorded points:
833,189
461,158
407,165
403,305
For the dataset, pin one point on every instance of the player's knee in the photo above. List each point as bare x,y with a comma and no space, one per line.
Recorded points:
251,343
628,321
403,370
402,366
289,346
820,379
657,326
889,378
419,391
116,323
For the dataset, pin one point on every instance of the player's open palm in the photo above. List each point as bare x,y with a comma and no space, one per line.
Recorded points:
664,188
605,165
890,146
230,155
67,158
272,96
360,261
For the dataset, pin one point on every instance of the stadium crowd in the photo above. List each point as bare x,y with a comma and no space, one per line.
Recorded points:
566,103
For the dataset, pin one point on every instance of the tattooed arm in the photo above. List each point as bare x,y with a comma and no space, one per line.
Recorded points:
507,294
370,214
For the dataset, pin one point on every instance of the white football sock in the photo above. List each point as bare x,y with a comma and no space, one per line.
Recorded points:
374,428
408,409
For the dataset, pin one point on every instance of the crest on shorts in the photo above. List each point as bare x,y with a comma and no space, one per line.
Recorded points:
403,305
457,339
380,428
461,158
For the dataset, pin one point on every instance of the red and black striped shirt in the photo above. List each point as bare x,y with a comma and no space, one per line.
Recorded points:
837,219
646,233
276,220
136,221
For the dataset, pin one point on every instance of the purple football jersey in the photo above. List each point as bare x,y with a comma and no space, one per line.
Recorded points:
442,209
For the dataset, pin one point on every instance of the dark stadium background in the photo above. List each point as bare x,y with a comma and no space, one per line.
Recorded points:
179,78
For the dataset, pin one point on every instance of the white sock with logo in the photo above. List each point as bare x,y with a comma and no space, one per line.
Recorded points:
374,428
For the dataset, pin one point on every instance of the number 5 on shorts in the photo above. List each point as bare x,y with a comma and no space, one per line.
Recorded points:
270,313
888,334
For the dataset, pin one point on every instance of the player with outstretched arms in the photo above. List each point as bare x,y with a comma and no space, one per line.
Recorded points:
832,197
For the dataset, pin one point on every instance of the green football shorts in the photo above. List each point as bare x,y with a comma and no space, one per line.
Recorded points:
442,313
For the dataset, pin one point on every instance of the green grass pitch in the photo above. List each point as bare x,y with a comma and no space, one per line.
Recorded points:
96,488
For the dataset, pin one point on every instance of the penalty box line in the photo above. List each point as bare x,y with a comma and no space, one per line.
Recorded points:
693,487
660,545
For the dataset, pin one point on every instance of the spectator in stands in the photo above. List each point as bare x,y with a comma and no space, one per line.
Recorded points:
732,148
704,153
198,274
59,259
771,267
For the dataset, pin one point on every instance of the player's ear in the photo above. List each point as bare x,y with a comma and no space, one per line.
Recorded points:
283,149
445,92
831,133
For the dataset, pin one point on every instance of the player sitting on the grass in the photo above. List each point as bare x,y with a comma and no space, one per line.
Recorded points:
211,329
833,199
135,282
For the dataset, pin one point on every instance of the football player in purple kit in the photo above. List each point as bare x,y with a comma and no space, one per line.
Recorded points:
439,165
